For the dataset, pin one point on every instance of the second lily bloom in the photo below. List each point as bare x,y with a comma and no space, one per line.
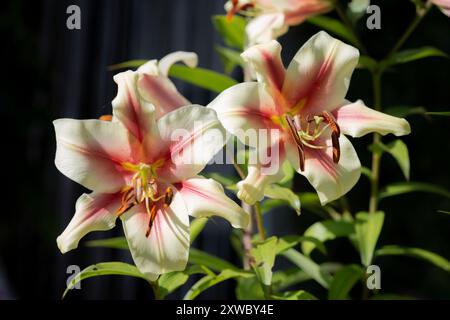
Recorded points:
306,104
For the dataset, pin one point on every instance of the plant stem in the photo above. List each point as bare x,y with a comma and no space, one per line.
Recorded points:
421,13
349,25
376,156
259,221
156,292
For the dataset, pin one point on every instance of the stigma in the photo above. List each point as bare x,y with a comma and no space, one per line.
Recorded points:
305,133
144,189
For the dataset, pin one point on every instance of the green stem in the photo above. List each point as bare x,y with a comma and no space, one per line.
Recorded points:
259,221
421,13
376,156
156,291
349,25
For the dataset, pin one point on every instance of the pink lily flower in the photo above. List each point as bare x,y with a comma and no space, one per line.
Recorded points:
272,18
306,103
137,171
444,5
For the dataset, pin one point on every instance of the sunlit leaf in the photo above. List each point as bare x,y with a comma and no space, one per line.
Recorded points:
343,282
289,172
275,191
293,295
399,151
203,78
211,280
264,255
311,268
334,26
325,231
368,228
104,269
196,227
171,281
409,55
418,253
399,188
232,32
249,289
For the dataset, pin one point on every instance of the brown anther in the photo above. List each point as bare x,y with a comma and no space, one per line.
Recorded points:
298,142
336,147
150,221
168,197
330,120
106,117
124,208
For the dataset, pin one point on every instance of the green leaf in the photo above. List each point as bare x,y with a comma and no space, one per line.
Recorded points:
443,211
325,231
293,295
224,180
334,26
366,172
104,269
409,55
203,78
357,9
288,242
368,228
418,253
114,243
309,267
171,281
443,113
343,282
367,63
399,151
208,260
275,191
406,187
196,226
130,64
230,58
289,173
404,111
249,289
232,32
264,254
211,280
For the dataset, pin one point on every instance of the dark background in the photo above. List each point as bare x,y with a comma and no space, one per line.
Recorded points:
50,72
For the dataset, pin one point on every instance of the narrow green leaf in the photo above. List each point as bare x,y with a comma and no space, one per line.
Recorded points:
367,63
409,55
196,227
443,113
230,58
289,173
232,32
104,269
203,78
334,26
114,243
249,289
418,253
130,64
224,180
443,211
274,191
343,282
406,187
208,260
211,280
399,151
325,231
366,172
404,111
288,242
310,267
368,228
293,295
264,254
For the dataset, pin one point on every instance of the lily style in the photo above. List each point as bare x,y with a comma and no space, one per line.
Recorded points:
271,19
306,103
143,167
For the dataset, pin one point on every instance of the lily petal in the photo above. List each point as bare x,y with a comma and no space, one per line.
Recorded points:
166,248
91,152
130,109
266,62
93,212
356,120
244,110
189,58
331,180
319,74
265,27
298,11
192,135
206,197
